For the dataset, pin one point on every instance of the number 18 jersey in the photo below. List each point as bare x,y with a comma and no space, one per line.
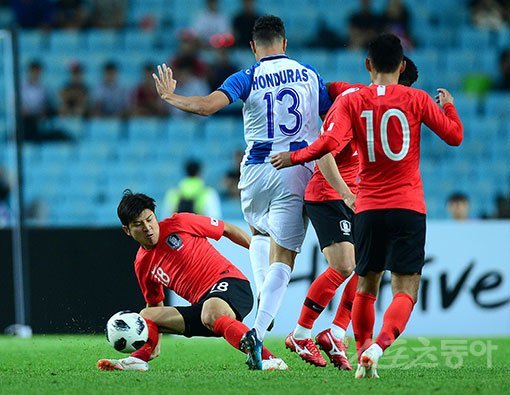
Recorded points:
282,101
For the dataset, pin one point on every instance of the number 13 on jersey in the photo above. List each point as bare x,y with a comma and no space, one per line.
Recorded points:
287,129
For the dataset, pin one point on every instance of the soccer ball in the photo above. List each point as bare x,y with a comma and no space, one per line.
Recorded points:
126,331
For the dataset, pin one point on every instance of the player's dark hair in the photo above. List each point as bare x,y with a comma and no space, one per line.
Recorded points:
193,168
410,74
267,29
458,197
132,204
386,53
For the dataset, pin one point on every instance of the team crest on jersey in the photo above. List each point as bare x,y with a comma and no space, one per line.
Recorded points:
174,241
345,227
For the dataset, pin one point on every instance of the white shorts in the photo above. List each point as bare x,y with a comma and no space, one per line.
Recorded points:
272,202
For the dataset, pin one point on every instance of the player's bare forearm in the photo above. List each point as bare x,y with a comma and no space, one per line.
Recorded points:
236,235
329,169
193,104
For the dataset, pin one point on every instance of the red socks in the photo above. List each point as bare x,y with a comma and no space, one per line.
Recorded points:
343,313
363,317
233,330
395,319
319,295
144,352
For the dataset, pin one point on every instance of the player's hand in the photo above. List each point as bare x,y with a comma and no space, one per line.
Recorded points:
281,160
350,200
165,84
444,97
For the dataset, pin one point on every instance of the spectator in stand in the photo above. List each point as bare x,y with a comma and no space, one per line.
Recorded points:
231,178
145,98
110,97
189,52
221,68
396,20
502,207
35,101
192,195
326,37
364,26
70,14
487,14
458,206
74,96
504,71
211,22
243,24
108,14
33,14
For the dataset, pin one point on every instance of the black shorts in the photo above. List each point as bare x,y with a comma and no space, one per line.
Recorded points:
389,239
332,221
235,291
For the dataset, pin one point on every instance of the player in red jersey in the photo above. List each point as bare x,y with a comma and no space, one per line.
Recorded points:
176,254
385,120
329,201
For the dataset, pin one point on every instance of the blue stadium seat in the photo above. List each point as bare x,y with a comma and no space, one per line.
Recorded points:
471,37
30,42
497,105
67,41
139,40
102,40
146,129
104,129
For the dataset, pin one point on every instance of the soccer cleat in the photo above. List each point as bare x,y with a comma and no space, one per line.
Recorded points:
367,366
334,349
274,363
252,346
306,349
129,363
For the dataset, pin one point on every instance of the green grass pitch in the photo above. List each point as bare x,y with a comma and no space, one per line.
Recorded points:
61,364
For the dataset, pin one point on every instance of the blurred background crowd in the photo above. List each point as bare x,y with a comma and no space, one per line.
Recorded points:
93,123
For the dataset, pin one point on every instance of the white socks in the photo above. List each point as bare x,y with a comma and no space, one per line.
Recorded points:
271,296
337,332
259,258
301,333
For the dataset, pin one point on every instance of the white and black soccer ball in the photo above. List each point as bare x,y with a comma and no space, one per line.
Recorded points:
126,331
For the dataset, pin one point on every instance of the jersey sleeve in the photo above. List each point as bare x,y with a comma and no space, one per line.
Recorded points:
446,125
336,133
238,85
152,292
200,225
336,88
325,101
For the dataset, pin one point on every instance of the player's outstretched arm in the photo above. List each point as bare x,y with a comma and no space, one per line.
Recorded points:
201,105
236,234
447,125
329,170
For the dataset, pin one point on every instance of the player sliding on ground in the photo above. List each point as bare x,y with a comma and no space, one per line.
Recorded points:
176,254
384,120
329,200
282,103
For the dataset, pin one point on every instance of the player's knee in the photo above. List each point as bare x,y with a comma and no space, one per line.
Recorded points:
209,316
147,312
344,267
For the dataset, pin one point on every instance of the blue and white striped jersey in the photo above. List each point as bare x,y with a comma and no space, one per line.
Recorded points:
282,102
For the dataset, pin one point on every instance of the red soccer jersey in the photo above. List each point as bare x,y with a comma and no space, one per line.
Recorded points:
385,122
183,259
318,188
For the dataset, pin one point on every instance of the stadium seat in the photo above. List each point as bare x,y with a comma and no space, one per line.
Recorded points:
66,41
102,40
104,129
139,40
